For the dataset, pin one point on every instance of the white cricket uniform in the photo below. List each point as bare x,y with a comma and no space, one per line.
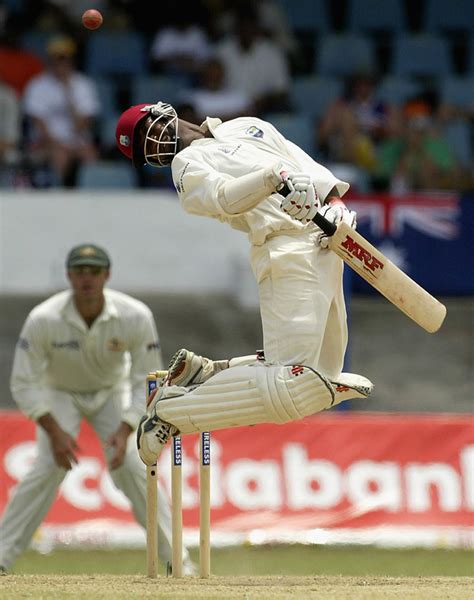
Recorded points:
71,371
300,285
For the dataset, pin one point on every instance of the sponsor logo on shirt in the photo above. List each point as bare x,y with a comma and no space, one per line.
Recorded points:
70,345
231,150
116,345
254,132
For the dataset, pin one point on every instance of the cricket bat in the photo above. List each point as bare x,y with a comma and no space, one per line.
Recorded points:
383,275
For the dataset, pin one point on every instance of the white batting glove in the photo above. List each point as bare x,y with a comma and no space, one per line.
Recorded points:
302,202
336,213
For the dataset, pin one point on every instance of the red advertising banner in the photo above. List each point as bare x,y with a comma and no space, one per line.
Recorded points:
337,477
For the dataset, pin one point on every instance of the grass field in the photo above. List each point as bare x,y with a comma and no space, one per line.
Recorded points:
332,573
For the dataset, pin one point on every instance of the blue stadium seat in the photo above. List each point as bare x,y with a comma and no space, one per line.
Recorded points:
470,58
106,175
372,16
296,128
397,90
36,42
421,55
108,94
154,88
115,53
312,95
307,15
106,129
457,91
342,55
443,15
458,135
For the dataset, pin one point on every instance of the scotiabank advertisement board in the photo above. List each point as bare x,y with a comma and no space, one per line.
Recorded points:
397,480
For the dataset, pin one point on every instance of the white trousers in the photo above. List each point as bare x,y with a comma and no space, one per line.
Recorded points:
301,302
36,492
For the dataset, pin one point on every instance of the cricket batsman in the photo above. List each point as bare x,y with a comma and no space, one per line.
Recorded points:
233,171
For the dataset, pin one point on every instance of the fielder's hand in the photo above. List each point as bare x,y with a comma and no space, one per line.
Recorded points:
336,213
302,202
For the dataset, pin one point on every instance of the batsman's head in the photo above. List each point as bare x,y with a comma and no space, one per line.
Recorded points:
148,133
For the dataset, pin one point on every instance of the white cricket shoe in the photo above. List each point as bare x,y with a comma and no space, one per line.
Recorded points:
152,432
188,369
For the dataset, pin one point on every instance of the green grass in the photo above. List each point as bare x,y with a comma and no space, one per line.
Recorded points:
265,560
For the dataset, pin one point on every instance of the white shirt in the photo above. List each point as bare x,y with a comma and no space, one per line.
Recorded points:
56,350
259,71
171,42
47,98
239,147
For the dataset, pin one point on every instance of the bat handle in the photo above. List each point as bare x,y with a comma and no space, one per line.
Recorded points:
328,227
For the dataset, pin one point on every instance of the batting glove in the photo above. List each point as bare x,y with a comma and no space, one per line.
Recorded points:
302,202
336,213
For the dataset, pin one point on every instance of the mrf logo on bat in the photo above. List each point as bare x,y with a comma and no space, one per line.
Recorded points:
369,261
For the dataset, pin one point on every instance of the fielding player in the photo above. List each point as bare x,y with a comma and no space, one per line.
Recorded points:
232,171
83,353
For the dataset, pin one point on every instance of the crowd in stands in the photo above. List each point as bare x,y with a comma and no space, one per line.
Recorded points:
383,97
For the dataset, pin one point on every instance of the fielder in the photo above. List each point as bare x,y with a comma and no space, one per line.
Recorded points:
83,353
232,171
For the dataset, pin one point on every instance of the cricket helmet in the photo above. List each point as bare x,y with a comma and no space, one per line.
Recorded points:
155,144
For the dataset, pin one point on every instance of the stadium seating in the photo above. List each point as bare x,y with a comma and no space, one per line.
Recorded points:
106,175
369,16
397,90
36,42
458,135
307,15
295,127
457,91
154,88
421,55
311,95
107,90
341,55
444,16
115,53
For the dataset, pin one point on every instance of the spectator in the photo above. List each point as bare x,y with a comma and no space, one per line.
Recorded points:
271,15
181,48
213,97
84,353
61,105
418,158
255,65
355,124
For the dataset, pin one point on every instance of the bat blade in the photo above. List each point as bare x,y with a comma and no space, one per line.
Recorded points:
387,278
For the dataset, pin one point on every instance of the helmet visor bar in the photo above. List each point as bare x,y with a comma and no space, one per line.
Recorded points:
161,140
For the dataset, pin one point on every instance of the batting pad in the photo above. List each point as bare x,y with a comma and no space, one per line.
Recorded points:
247,395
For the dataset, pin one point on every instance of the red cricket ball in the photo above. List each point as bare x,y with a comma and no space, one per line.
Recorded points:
92,19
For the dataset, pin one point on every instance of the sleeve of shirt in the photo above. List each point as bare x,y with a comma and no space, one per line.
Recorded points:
145,354
198,185
29,364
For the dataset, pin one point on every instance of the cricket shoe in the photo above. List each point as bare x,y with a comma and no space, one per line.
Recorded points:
152,432
349,386
189,369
